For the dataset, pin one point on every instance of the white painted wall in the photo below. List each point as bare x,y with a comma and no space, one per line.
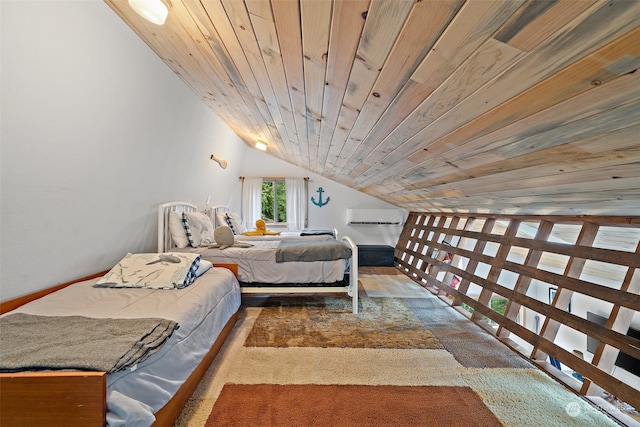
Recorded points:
96,132
331,215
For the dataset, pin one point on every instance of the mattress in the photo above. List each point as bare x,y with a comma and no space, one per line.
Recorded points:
257,265
201,310
284,235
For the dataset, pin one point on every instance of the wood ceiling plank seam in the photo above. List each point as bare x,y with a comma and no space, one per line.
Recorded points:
567,157
539,65
490,60
473,24
528,102
316,20
561,195
241,23
224,35
547,23
225,45
399,66
220,92
373,50
347,23
524,16
563,200
235,14
186,37
267,40
267,37
469,29
625,115
602,97
571,182
569,82
540,147
287,21
512,206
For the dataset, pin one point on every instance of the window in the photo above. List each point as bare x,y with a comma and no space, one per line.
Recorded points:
280,201
274,201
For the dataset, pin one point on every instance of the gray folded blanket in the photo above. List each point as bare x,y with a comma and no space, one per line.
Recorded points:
313,250
31,343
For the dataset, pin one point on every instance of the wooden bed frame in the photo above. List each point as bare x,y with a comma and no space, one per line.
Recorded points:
351,289
79,398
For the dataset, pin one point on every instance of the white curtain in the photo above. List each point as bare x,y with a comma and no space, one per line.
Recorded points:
296,203
251,201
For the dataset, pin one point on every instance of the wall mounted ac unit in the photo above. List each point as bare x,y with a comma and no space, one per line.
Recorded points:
375,216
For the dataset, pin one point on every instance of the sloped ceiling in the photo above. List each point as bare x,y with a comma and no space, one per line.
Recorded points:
499,106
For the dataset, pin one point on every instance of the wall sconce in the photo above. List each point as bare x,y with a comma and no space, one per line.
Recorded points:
222,162
262,146
155,11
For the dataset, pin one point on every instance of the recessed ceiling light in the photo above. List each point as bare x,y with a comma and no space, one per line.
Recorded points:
155,11
261,145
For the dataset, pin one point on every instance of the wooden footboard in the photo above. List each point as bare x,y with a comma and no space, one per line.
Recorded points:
79,398
53,399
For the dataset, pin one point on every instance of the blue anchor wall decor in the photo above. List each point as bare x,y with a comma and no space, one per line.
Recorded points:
320,203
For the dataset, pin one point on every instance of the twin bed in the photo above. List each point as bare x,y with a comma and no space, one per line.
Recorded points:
152,391
200,315
260,272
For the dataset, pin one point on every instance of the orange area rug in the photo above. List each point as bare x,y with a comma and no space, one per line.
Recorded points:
348,405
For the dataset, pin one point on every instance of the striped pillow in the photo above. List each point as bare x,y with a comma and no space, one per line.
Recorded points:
198,228
234,222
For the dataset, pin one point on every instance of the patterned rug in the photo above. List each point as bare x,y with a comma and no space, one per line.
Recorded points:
305,361
327,321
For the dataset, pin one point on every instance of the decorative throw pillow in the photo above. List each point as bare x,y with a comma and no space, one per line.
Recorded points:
234,222
176,229
198,228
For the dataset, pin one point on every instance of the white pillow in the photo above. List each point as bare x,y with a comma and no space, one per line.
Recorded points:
234,222
198,228
204,267
178,235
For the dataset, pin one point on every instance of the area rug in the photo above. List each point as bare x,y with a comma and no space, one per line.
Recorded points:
469,344
327,321
309,361
529,397
346,406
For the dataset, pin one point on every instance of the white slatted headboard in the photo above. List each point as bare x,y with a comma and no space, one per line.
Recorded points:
164,236
213,210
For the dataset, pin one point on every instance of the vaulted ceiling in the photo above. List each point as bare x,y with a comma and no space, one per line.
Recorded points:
499,106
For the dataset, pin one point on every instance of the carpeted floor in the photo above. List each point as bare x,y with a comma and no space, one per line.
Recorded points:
407,359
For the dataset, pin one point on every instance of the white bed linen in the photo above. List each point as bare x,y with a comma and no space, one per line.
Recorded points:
284,235
201,309
257,264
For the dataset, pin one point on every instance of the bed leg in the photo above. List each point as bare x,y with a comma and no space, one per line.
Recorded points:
353,275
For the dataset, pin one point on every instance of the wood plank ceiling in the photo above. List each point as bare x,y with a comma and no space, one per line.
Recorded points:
491,106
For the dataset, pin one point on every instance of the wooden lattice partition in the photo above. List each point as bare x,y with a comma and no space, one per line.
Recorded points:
547,273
